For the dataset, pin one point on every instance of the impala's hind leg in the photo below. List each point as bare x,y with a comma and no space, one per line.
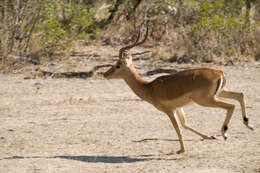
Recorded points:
240,98
213,102
180,113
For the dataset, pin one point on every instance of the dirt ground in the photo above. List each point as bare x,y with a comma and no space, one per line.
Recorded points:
95,125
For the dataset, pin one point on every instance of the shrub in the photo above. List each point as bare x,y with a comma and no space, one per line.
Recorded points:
43,27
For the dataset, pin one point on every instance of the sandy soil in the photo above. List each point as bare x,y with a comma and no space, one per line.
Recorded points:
94,125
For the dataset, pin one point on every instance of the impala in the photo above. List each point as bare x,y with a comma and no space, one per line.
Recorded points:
169,93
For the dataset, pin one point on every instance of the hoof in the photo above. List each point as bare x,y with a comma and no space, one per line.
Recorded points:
209,137
213,137
246,122
225,136
223,131
180,151
251,127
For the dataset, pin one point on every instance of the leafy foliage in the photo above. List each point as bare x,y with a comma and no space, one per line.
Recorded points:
201,28
220,27
57,24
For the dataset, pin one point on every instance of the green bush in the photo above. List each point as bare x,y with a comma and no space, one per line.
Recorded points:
65,22
231,28
44,27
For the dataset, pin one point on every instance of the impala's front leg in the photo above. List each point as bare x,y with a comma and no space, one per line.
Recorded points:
180,113
176,127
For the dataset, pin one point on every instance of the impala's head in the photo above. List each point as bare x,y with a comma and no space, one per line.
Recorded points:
122,65
125,60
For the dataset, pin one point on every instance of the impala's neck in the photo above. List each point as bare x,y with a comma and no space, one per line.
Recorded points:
137,84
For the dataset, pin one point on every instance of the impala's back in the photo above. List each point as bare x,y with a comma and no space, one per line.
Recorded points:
179,88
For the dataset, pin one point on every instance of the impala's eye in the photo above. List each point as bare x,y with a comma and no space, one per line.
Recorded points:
117,66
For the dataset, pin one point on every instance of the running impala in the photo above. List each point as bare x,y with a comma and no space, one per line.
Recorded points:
170,93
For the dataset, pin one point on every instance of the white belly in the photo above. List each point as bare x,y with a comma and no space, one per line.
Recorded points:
177,102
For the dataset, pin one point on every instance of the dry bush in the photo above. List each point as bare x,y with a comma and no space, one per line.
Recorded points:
257,37
204,31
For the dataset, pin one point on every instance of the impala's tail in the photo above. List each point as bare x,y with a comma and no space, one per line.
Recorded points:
221,83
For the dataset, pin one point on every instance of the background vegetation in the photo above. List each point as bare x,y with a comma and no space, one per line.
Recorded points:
202,30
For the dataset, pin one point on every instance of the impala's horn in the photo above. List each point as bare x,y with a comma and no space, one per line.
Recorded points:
123,49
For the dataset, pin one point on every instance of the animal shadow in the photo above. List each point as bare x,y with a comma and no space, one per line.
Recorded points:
92,159
105,159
